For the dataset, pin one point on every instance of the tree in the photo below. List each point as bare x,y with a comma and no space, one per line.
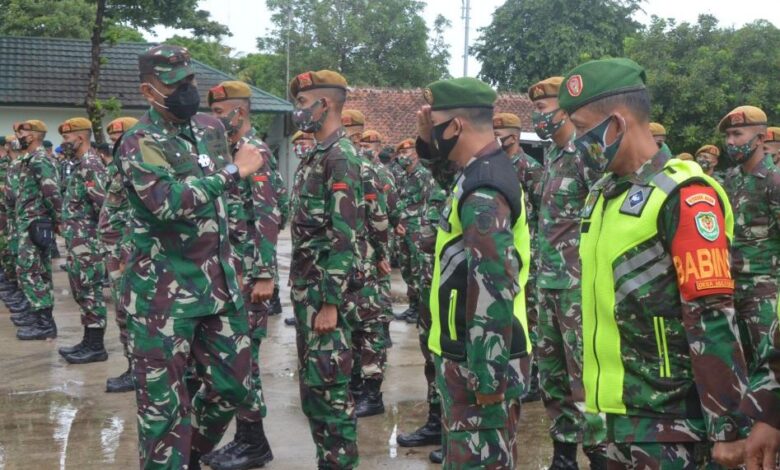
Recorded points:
383,43
531,40
699,72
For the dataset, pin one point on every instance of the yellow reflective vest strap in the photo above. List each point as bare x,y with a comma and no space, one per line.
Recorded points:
450,234
607,235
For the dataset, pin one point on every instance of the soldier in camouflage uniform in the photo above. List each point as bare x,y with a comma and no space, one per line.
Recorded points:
369,349
772,144
354,123
414,183
38,206
324,216
661,355
659,135
753,186
114,234
563,189
7,280
507,127
478,329
180,286
707,157
231,103
84,196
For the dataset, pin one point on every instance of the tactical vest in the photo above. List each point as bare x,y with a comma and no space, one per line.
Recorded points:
610,229
450,276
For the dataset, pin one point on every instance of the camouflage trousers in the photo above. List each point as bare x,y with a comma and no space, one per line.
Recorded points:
409,256
324,370
87,277
171,423
659,456
8,259
33,270
256,410
385,299
369,348
114,265
423,330
559,358
476,436
755,303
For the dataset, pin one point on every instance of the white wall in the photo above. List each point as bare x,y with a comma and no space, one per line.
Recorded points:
53,117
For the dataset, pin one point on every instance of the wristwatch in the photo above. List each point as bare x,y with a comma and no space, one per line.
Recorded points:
232,170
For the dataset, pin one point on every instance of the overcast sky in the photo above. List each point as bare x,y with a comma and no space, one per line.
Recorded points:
248,19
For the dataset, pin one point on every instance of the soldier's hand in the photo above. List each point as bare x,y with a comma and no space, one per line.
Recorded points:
248,159
400,230
384,267
424,124
325,320
762,447
491,399
729,454
262,290
121,267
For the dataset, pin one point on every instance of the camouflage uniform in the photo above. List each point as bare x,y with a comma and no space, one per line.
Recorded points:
38,198
755,199
10,197
564,186
389,193
324,212
84,196
670,323
180,288
5,227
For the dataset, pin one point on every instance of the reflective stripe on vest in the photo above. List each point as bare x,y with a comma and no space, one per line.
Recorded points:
609,236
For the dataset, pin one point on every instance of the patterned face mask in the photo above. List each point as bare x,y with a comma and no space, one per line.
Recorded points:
543,123
303,118
598,155
704,163
740,153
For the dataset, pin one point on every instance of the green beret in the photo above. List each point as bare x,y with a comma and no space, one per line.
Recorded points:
599,79
456,93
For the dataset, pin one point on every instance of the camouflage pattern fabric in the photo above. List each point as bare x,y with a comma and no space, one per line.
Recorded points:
762,402
389,194
38,198
5,226
84,197
654,455
413,188
10,195
755,200
324,215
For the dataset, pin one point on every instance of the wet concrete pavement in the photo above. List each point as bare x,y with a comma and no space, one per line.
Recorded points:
54,415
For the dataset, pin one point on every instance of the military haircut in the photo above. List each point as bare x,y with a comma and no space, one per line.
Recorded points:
637,102
481,118
336,95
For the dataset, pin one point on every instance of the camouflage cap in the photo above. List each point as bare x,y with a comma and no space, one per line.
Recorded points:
122,125
314,80
229,90
352,117
773,134
371,137
709,148
657,129
547,88
599,79
170,64
405,144
743,116
685,156
32,125
507,121
75,125
300,135
465,92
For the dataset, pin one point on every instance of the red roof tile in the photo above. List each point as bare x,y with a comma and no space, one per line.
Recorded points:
392,111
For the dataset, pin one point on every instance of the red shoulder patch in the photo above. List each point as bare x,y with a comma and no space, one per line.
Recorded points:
89,184
339,186
700,248
371,197
259,178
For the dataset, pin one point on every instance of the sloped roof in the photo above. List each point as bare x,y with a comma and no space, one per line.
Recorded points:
392,112
54,72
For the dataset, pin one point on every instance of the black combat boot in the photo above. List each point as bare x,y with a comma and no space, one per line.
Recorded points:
564,456
370,402
76,347
428,434
413,312
356,385
93,350
275,303
251,451
289,321
388,339
26,318
20,306
123,382
43,328
436,456
597,456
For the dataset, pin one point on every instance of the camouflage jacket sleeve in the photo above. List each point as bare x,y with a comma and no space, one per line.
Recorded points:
95,179
390,192
376,214
717,363
493,271
343,187
46,175
152,179
267,222
282,198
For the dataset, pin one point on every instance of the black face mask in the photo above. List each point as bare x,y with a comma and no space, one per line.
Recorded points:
183,103
227,121
24,142
505,144
442,145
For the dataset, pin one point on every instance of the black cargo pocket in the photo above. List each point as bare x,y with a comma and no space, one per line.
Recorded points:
42,233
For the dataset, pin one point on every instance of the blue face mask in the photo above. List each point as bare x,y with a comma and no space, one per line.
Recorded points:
598,155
